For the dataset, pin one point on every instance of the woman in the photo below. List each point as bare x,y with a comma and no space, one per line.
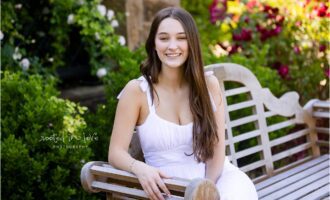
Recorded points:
178,114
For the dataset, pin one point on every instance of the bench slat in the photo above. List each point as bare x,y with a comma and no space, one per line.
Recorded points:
322,104
253,165
291,179
243,120
131,192
291,151
290,172
248,151
245,136
240,105
172,184
319,114
289,137
297,185
108,187
281,125
236,91
318,194
307,189
322,130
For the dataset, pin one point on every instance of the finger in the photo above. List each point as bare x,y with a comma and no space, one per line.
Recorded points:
162,186
157,191
163,175
151,194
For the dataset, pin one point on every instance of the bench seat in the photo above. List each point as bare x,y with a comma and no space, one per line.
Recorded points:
307,181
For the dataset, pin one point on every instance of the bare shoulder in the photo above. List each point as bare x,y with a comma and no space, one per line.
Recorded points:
212,84
132,91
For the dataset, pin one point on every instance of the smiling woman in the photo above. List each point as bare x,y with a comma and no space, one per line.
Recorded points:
171,43
178,114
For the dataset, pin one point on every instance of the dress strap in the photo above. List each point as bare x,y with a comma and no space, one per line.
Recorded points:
144,85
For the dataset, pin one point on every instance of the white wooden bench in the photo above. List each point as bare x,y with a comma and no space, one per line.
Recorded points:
277,142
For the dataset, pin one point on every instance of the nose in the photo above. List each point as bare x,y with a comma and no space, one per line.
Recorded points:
172,44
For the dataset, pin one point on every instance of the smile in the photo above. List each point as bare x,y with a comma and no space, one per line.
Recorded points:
173,54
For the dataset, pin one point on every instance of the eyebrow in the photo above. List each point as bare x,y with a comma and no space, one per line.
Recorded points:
165,33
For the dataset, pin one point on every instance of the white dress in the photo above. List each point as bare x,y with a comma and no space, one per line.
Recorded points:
167,146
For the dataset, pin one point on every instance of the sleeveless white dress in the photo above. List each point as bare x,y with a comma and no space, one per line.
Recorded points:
168,147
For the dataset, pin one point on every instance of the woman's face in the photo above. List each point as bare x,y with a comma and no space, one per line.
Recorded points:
171,43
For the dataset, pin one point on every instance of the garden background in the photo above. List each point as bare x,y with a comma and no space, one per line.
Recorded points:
49,46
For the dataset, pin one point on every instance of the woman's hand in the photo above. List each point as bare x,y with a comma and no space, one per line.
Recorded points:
150,179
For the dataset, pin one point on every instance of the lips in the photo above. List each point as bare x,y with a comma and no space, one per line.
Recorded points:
172,54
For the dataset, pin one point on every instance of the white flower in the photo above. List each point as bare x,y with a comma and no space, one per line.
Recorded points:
18,6
33,41
114,23
110,14
51,59
70,19
122,40
17,55
1,35
101,72
97,36
102,9
81,2
25,64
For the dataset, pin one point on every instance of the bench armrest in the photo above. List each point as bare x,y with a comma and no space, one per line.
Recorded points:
99,176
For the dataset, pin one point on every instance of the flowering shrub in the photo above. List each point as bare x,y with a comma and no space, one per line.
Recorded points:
296,33
39,37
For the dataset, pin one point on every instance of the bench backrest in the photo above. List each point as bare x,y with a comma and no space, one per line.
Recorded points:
262,132
265,135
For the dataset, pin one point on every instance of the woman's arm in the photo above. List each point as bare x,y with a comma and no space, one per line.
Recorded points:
214,165
127,115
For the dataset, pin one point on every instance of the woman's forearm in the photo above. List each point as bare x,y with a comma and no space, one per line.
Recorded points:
121,159
214,169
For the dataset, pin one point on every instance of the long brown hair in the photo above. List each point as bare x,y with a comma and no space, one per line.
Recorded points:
205,128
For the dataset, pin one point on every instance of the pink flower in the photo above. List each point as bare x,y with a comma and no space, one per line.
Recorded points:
277,30
283,71
296,49
251,4
217,10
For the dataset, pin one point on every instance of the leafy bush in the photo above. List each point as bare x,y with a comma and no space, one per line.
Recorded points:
44,140
43,36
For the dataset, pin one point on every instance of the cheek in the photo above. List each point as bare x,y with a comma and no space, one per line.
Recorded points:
159,46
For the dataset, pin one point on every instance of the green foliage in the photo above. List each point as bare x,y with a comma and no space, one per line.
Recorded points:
54,34
44,140
101,122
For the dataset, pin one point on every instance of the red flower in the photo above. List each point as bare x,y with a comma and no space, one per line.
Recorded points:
283,71
322,48
327,72
244,35
234,49
322,10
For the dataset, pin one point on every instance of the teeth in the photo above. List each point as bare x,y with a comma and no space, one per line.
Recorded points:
173,54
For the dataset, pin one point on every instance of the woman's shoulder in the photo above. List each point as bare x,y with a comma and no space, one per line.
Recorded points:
131,90
211,81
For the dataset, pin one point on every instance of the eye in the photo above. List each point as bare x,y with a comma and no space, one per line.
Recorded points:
163,38
182,38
